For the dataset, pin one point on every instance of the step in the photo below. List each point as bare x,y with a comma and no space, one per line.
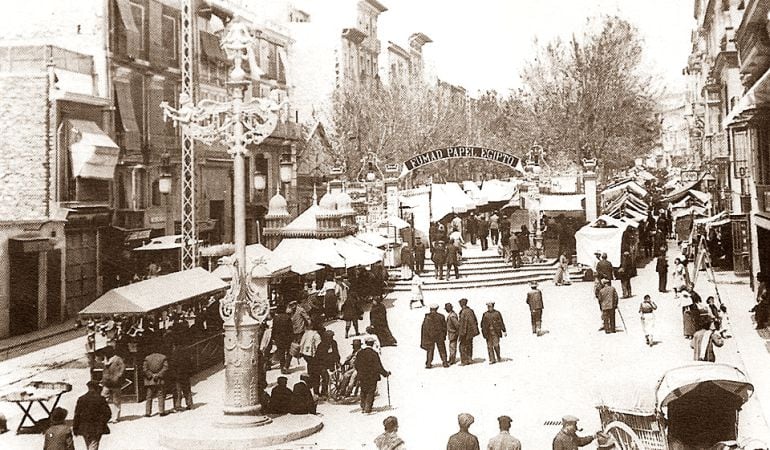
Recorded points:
466,282
430,274
491,265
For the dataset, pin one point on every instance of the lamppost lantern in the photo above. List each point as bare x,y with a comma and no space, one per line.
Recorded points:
165,179
370,176
285,168
260,181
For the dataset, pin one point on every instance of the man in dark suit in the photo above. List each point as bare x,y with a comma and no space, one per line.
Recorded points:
369,368
419,255
468,328
180,365
608,300
492,328
154,369
661,266
282,335
91,416
433,334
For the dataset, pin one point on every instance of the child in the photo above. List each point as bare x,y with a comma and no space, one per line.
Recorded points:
58,436
647,314
417,295
725,330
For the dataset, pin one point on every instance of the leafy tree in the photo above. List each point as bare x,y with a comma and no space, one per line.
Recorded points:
591,97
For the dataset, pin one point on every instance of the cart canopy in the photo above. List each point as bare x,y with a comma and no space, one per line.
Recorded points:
155,294
260,260
721,378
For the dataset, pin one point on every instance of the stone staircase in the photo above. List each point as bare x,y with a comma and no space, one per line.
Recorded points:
482,269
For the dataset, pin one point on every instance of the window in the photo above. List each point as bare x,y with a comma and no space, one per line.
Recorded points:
740,152
139,20
763,156
170,40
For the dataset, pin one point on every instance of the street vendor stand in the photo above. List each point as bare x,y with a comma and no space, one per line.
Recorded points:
39,392
147,316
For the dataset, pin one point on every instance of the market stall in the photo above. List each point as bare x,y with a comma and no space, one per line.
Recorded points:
605,234
147,316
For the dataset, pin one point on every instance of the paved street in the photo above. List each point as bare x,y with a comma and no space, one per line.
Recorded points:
564,372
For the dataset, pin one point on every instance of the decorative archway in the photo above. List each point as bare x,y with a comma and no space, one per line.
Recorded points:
442,154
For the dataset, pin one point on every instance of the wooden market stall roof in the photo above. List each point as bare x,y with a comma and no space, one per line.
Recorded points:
155,293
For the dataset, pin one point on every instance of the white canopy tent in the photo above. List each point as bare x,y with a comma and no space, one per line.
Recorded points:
605,234
571,202
473,191
499,191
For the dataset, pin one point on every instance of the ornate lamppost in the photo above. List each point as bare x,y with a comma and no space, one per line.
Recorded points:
369,172
533,169
236,124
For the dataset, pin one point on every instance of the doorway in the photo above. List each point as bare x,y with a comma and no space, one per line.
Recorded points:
24,285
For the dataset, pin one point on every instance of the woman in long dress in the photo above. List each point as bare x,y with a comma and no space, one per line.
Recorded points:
378,319
689,315
678,278
562,272
647,313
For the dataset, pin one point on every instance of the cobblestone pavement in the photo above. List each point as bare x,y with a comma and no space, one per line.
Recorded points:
567,371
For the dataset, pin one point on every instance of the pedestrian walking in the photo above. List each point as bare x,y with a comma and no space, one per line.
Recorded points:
283,334
561,277
467,330
154,369
473,228
457,224
762,309
407,262
378,319
604,269
417,295
678,277
351,313
504,440
483,232
181,367
328,356
647,314
112,381
369,368
515,254
535,302
452,329
524,239
567,438
419,255
91,416
494,227
703,342
463,439
626,271
438,256
433,335
661,266
608,300
308,348
452,260
690,315
492,328
389,439
58,436
300,320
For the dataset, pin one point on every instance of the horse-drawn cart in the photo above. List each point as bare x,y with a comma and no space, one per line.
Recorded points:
695,407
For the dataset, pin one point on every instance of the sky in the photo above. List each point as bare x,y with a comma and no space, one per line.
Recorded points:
482,44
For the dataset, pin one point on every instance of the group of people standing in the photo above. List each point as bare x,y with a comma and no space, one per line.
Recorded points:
458,329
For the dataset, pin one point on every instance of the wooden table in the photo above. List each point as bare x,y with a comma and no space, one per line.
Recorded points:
42,393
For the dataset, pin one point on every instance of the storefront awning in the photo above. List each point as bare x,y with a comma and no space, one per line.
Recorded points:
356,255
302,252
93,154
757,96
156,294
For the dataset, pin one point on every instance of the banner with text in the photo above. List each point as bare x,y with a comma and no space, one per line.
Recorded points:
442,154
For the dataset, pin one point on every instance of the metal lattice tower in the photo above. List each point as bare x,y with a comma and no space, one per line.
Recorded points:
189,242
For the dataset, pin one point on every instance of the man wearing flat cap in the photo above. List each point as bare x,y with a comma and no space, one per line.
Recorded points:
492,328
567,438
463,439
608,301
504,440
434,335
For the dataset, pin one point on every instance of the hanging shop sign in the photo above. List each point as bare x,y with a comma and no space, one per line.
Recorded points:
442,154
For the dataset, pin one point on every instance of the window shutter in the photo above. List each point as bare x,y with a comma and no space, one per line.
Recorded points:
157,127
129,28
157,56
127,116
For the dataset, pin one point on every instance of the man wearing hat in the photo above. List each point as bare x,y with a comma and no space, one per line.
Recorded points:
463,439
389,440
492,328
91,416
608,301
535,302
504,440
467,330
567,438
604,268
433,335
419,255
369,368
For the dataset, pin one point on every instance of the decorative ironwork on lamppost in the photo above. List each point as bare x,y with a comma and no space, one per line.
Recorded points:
236,124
